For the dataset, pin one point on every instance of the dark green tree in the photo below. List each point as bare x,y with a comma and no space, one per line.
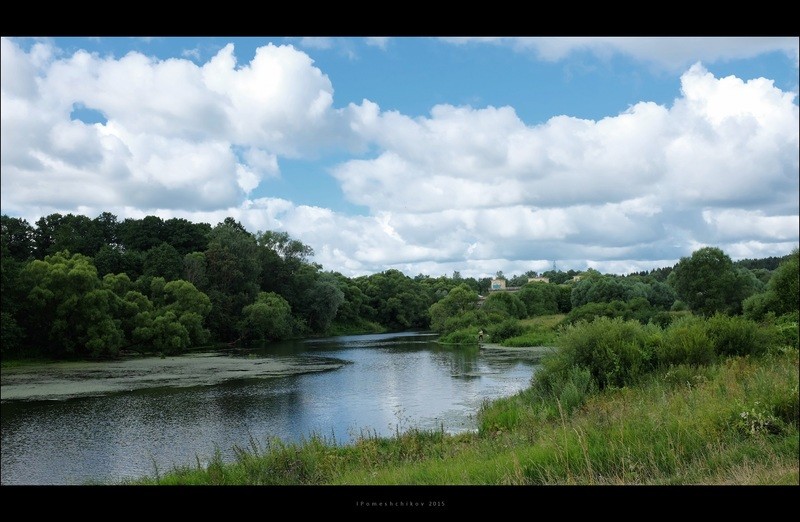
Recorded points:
269,318
233,271
18,238
163,260
142,234
505,303
459,301
708,282
540,298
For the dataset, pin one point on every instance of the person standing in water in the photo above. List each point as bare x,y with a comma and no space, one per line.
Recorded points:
480,336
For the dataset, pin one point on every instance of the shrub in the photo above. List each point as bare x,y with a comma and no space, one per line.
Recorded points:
736,336
615,352
504,330
686,342
463,336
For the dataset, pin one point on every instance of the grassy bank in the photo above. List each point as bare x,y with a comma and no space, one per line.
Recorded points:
620,403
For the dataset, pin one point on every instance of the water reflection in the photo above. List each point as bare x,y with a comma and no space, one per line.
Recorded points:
394,381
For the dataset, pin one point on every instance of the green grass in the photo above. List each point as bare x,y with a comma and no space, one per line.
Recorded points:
537,331
731,422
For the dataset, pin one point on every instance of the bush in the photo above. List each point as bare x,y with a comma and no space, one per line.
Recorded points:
664,319
504,330
686,342
468,319
786,327
464,336
736,336
616,352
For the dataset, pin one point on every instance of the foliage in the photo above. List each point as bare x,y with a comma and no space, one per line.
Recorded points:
501,331
686,341
459,301
269,318
466,336
737,336
616,352
540,298
781,295
68,310
708,282
505,303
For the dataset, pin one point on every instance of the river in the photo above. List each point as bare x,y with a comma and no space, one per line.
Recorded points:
372,384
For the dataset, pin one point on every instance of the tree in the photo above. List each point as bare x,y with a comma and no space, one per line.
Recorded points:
785,284
68,311
661,295
597,288
233,269
460,300
141,234
78,234
194,269
109,260
17,236
186,236
107,227
540,298
171,320
781,294
163,260
505,303
323,299
11,297
399,301
269,318
708,282
44,234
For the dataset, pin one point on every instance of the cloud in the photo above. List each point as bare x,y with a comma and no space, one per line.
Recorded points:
644,184
173,128
316,42
191,53
671,53
378,41
470,189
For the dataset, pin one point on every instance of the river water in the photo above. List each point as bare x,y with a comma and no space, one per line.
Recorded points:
390,382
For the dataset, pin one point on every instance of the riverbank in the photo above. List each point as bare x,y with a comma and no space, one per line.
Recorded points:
733,422
63,380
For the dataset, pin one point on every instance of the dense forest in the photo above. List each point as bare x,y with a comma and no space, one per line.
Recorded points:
79,287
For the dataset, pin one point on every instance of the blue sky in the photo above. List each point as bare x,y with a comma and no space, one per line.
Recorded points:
423,154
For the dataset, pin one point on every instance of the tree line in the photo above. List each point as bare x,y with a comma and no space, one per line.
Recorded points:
79,287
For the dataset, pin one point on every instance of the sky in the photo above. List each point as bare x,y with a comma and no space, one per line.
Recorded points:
422,154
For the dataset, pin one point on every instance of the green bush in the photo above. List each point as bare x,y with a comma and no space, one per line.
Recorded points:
786,331
468,319
504,330
686,342
736,336
665,319
615,352
464,336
